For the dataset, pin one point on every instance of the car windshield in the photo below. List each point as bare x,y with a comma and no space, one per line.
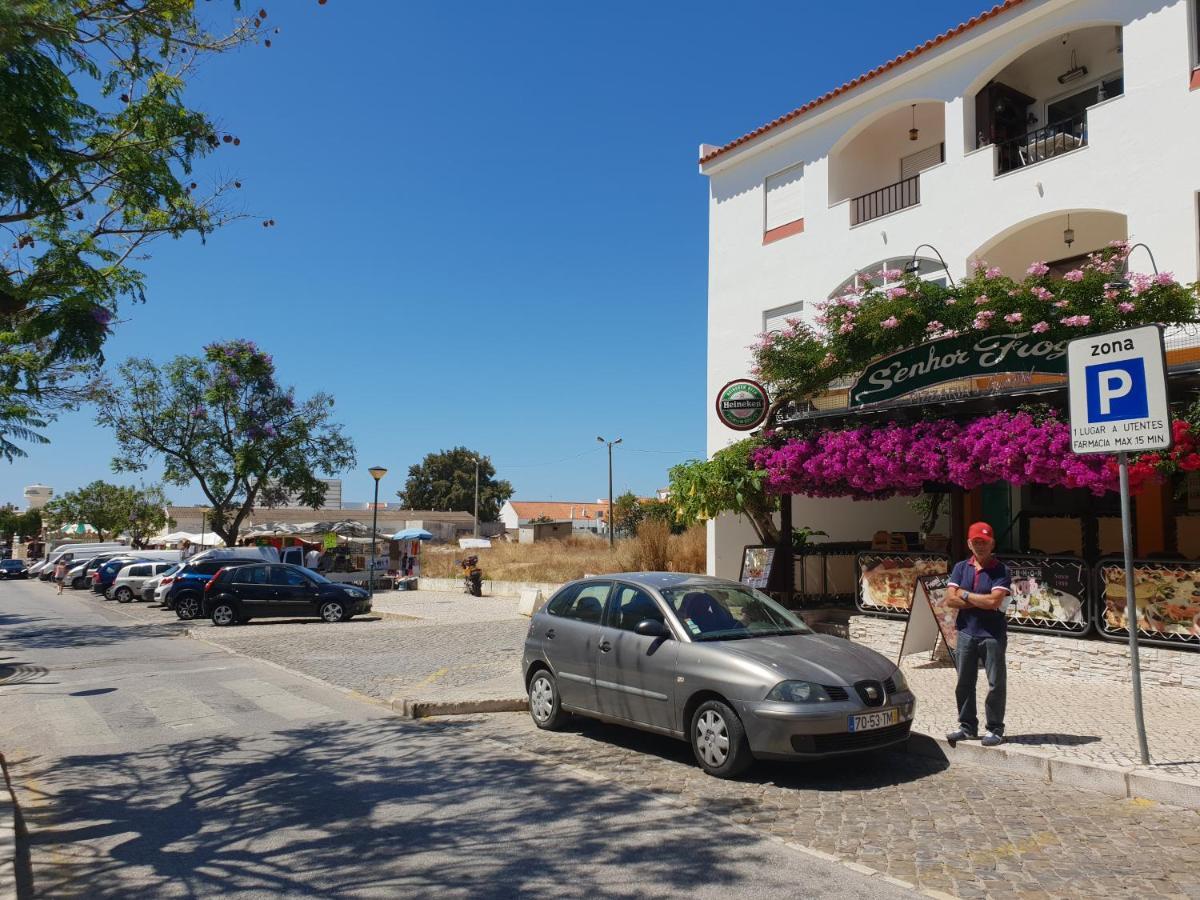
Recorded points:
727,612
317,577
170,571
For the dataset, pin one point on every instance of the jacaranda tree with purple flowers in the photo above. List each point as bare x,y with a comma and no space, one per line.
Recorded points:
224,422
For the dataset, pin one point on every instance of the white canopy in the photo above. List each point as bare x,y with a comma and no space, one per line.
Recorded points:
208,539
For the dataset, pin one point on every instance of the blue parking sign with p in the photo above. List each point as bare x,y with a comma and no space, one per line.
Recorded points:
1117,391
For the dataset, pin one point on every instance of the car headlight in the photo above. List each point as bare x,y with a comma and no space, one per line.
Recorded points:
798,692
900,681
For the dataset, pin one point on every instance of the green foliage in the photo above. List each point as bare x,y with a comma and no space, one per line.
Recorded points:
728,482
661,511
627,513
802,536
855,329
223,421
14,524
446,480
97,157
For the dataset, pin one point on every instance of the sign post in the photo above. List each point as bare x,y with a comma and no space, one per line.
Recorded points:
1117,384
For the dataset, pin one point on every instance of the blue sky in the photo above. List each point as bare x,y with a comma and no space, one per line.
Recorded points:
490,226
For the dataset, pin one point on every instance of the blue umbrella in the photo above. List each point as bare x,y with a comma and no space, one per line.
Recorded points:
412,534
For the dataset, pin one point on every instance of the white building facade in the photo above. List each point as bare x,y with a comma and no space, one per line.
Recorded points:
980,143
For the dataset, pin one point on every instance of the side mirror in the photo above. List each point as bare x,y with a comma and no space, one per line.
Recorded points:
652,628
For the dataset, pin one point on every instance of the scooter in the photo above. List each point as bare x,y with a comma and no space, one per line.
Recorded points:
472,576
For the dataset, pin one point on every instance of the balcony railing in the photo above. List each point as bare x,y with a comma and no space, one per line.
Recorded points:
900,195
1036,146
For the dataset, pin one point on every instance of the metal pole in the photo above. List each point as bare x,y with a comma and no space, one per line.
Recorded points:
612,525
374,528
203,522
477,496
1131,609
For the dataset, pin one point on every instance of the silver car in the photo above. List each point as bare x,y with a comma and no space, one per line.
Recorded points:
713,662
132,579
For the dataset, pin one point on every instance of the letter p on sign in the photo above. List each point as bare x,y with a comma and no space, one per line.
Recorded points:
1117,391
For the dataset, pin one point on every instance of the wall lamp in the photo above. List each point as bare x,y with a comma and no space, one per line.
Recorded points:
913,266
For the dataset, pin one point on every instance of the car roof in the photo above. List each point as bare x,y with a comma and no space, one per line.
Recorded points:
666,580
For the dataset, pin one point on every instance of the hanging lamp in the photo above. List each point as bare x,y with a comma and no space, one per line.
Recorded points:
913,132
1068,232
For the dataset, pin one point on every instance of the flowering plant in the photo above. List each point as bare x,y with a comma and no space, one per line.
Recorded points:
853,329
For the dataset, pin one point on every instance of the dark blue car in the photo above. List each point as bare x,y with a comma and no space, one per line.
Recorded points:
13,568
186,592
106,573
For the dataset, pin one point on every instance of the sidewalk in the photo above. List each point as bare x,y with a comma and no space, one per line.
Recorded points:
1088,723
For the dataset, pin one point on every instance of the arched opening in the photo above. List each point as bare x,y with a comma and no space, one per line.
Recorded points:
1046,239
890,273
1035,108
878,169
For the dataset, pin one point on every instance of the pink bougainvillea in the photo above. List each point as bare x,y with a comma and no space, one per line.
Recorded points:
878,461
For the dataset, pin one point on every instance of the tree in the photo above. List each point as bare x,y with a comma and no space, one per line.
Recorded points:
97,159
102,505
147,515
446,480
14,524
729,482
627,513
223,421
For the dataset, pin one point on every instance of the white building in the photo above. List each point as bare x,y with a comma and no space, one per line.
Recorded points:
980,142
583,516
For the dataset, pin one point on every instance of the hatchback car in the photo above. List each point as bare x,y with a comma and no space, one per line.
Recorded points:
237,594
713,662
185,589
106,573
130,580
12,568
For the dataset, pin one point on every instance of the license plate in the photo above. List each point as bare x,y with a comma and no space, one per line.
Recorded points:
873,720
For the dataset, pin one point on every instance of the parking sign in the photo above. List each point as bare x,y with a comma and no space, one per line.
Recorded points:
1117,384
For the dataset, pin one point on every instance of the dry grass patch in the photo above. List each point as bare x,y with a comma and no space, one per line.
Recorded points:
654,549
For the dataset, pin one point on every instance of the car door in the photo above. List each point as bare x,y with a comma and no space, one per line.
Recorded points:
635,674
573,628
294,594
136,576
251,585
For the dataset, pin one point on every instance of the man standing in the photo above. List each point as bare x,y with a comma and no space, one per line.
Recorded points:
978,589
312,559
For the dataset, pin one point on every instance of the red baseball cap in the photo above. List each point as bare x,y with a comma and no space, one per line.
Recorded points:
981,530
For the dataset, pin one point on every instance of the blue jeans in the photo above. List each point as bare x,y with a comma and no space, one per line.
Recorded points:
991,651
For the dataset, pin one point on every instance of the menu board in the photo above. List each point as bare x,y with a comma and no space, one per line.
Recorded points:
886,580
935,588
1167,595
756,567
1048,592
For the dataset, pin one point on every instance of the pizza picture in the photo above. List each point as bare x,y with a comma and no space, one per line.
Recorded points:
888,582
1167,599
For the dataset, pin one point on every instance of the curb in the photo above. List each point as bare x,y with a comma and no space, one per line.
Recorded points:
10,828
1129,782
423,709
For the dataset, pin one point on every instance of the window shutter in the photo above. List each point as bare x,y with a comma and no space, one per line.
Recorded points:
922,159
776,319
785,197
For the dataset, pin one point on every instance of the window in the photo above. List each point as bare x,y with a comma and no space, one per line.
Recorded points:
631,606
282,575
139,570
249,575
784,198
208,568
777,319
927,270
1065,108
585,602
915,163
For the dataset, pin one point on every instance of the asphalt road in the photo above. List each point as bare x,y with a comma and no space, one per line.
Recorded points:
149,764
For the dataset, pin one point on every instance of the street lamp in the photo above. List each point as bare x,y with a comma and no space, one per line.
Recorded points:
611,532
476,496
377,472
1118,284
913,267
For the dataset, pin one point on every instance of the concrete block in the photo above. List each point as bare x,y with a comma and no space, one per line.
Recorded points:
1165,788
1105,779
531,601
1023,762
423,709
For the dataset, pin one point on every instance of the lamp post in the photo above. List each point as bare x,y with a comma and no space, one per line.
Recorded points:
476,496
611,529
913,267
377,472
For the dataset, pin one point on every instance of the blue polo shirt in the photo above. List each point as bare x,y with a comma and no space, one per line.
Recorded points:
982,623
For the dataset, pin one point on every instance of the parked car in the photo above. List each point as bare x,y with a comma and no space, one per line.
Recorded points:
714,663
237,594
106,573
185,589
12,568
147,585
75,553
78,577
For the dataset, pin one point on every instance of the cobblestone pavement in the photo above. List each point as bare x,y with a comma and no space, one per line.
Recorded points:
962,830
1083,720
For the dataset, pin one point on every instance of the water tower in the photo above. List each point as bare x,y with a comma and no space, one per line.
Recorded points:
38,495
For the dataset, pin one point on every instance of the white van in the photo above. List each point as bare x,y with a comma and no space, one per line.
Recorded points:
71,552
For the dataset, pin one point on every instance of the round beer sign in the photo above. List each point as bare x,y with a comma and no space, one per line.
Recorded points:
742,404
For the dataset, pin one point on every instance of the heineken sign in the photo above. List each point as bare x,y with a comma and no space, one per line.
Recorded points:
742,404
928,364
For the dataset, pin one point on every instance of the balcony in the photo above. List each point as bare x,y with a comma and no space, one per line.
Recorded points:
1044,143
885,200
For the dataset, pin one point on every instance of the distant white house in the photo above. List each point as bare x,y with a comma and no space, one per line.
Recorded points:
583,516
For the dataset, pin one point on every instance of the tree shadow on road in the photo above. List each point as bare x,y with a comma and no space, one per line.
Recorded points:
42,633
382,807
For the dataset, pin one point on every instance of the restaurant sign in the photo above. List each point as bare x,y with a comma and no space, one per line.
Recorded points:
743,404
948,359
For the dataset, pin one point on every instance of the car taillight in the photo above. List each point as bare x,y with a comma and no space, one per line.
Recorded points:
208,584
166,581
95,578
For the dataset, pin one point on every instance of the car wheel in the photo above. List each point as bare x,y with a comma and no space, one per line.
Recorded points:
544,704
123,595
719,740
187,607
224,615
333,612
79,584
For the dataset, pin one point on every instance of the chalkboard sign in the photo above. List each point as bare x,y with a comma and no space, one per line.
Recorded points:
758,563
